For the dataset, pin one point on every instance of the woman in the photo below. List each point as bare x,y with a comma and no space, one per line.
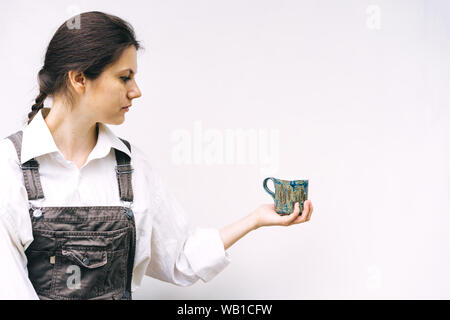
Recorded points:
83,215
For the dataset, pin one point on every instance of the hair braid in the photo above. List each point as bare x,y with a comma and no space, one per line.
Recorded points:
39,103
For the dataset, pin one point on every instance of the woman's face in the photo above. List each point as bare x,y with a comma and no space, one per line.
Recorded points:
113,90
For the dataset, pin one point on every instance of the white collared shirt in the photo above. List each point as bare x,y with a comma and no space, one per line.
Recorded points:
167,247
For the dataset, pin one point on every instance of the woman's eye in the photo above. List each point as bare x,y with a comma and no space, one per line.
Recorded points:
125,79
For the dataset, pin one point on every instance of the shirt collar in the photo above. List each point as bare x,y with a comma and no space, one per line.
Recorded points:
37,140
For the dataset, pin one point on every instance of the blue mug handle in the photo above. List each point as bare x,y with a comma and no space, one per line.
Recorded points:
267,189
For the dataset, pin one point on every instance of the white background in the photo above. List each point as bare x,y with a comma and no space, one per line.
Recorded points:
361,107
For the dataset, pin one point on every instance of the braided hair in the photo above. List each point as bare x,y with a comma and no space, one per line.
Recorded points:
45,86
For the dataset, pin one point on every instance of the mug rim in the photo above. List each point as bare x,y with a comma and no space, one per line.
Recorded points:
307,180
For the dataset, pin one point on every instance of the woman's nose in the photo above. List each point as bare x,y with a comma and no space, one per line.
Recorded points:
135,92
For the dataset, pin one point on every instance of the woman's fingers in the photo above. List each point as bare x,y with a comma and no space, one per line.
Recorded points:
305,214
294,217
310,211
288,219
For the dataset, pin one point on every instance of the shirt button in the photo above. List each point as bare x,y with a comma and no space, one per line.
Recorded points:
86,261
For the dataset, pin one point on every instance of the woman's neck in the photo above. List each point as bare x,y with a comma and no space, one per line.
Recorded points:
74,134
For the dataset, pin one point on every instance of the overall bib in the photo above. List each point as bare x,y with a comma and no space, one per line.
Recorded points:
80,252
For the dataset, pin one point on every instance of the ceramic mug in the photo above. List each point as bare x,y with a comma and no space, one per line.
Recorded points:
287,193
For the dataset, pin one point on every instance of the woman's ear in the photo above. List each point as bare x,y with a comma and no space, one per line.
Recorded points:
77,80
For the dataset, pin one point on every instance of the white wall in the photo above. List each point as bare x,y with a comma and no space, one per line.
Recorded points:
355,97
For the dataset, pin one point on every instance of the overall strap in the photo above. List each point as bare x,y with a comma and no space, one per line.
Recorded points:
123,172
30,169
32,181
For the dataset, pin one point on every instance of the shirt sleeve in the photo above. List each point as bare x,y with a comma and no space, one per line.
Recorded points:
13,270
180,254
15,228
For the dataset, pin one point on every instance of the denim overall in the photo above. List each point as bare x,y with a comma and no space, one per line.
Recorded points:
80,252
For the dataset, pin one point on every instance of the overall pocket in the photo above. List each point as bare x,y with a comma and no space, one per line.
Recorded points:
80,273
86,272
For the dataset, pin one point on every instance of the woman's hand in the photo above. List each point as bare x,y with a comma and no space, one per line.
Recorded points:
265,215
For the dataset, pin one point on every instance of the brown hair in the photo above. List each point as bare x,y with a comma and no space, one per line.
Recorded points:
98,42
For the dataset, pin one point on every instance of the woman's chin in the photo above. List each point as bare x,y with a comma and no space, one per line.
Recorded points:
116,121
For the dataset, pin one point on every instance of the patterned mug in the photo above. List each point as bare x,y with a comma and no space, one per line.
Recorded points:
287,193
